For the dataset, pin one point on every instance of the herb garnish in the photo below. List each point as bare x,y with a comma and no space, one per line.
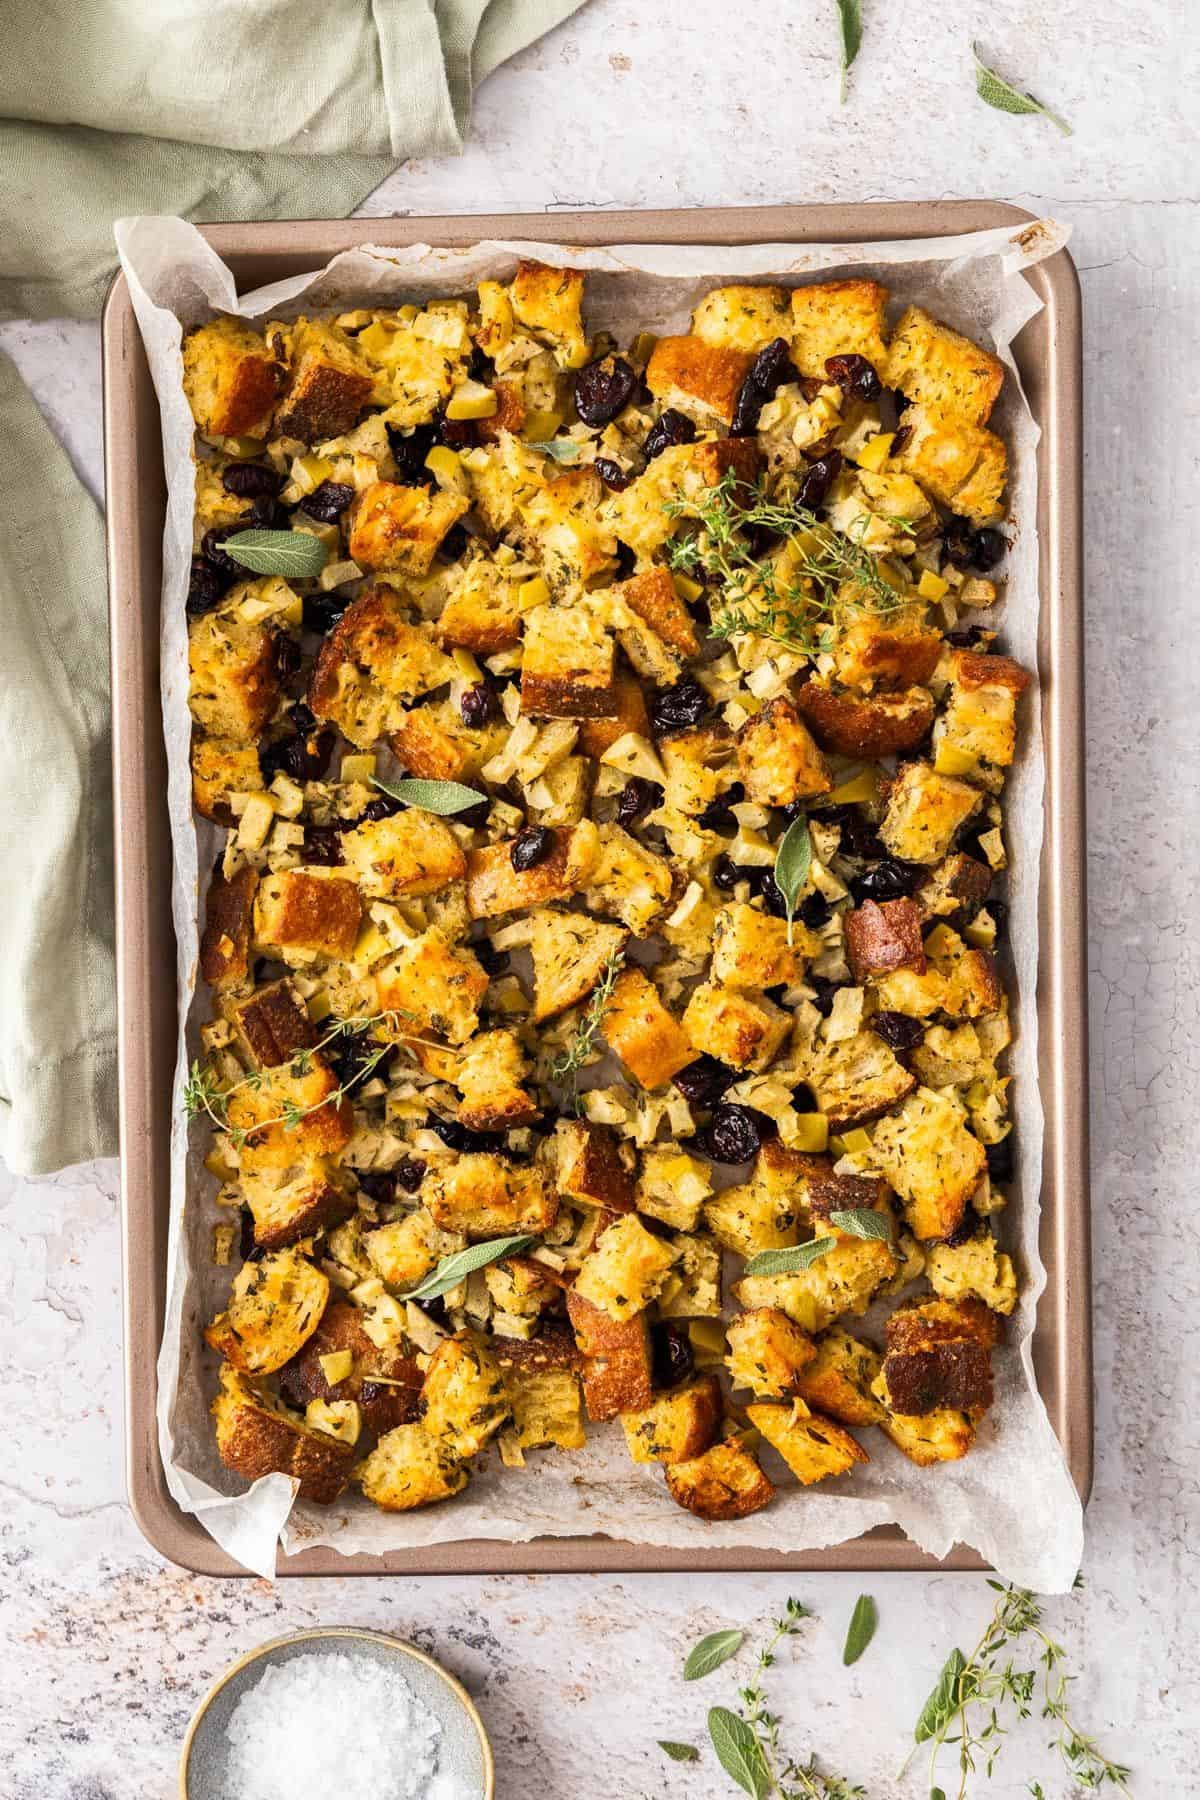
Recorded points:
863,1621
581,1045
850,23
295,554
443,797
793,860
678,1752
863,1222
788,1262
453,1269
1005,98
563,450
710,1653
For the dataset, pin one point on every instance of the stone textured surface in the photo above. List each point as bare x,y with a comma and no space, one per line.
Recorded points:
105,1649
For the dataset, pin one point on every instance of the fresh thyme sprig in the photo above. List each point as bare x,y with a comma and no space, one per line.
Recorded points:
581,1045
792,597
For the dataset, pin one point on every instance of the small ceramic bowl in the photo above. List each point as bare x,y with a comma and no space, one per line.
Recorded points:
203,1763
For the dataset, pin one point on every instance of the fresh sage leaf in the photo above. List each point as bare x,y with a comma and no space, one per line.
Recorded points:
738,1752
942,1701
863,1621
679,1752
788,1262
1005,98
850,22
294,554
710,1653
563,450
453,1269
793,860
940,1793
863,1222
443,797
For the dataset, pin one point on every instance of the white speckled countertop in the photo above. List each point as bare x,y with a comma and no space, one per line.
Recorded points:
105,1649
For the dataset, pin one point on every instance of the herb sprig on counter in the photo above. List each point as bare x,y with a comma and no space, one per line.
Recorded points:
850,27
999,93
583,1043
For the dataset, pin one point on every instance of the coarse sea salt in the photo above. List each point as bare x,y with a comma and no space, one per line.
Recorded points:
324,1723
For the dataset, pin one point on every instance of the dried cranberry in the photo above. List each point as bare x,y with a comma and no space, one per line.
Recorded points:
770,369
378,1185
989,546
410,1173
891,879
676,708
726,874
717,817
328,502
857,835
814,911
735,1134
382,807
457,1137
475,817
764,884
454,545
206,587
286,654
409,450
530,847
249,1249
638,797
478,705
1000,1162
266,514
612,474
603,389
855,376
670,428
968,547
352,1057
898,1031
999,912
967,639
902,435
704,1081
251,481
671,1352
322,611
626,561
211,547
823,992
817,480
323,846
491,960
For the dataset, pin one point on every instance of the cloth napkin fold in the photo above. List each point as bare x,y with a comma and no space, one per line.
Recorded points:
212,109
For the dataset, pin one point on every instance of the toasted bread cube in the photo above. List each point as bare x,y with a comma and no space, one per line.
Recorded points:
547,1407
743,318
564,530
626,1270
229,914
410,852
888,652
672,1186
590,1167
288,1114
971,982
750,949
838,318
943,1435
932,1160
432,742
925,812
677,1426
838,1379
408,1468
696,762
598,735
883,937
679,476
693,1288
844,1280
483,613
549,303
616,1358
398,529
570,953
385,1384
274,1307
510,413
628,880
973,1268
329,384
233,676
942,370
638,1028
306,915
567,666
652,597
866,727
777,758
520,1286
273,1024
433,985
294,1203
465,1401
813,1447
219,770
489,1076
960,881
257,1435
760,1214
494,886
819,1192
742,1029
404,1251
856,1079
980,714
964,466
768,1352
726,1482
483,1196
697,378
939,1355
372,663
231,379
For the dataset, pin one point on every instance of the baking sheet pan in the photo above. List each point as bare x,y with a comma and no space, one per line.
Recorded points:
1048,355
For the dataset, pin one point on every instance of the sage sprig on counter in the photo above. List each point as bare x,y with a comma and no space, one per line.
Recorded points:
863,1621
296,555
453,1269
711,1652
999,93
442,797
850,26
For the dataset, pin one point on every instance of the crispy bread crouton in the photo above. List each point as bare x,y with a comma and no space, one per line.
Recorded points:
651,1043
385,1383
287,1114
231,379
257,1436
654,627
590,1167
306,915
679,476
760,1214
483,1196
819,1191
743,318
329,383
219,770
976,1267
294,1202
372,664
567,668
843,1280
549,303
409,1468
942,370
483,612
697,377
225,945
726,1482
233,676
838,318
404,1251
960,881
490,1070
868,727
931,1159
855,1079
398,529
693,1288
434,742
509,415
964,466
813,1447
743,1029
434,985
944,1435
979,718
777,758
838,1379
893,652
672,1185
570,952
598,735
522,1287
616,1358
465,1401
677,1426
564,529
750,949
925,812
883,937
939,1355
626,1269
547,1406
273,1024
629,881
494,886
768,1352
410,852
274,1308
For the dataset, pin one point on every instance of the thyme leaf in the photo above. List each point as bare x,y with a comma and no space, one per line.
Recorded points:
582,1044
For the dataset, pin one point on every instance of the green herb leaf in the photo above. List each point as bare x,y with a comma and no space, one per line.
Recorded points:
443,797
942,1701
453,1269
863,1222
793,860
850,20
563,450
1005,98
738,1752
788,1262
863,1621
679,1752
710,1653
940,1793
295,554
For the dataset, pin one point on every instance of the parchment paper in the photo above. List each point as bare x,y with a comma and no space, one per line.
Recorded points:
1012,1497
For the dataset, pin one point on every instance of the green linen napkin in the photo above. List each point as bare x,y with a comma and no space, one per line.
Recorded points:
259,109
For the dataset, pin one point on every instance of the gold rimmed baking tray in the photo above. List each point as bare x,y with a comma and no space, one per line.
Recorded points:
1048,353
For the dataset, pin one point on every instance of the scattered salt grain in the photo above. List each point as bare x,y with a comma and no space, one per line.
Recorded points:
324,1723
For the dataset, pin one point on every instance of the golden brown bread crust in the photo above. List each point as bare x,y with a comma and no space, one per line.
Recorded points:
310,913
639,1029
813,1447
494,886
884,936
688,368
777,758
942,370
676,1426
398,528
971,670
554,1347
273,1024
590,1167
509,415
869,727
939,1355
824,1192
255,1438
291,1204
322,401
262,1112
725,1483
598,735
484,1196
616,1358
386,1383
652,595
838,318
869,653
225,945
